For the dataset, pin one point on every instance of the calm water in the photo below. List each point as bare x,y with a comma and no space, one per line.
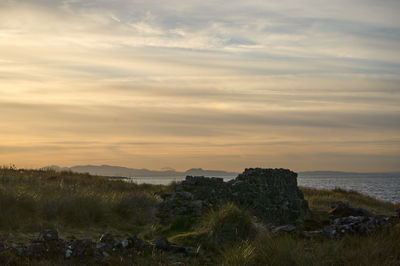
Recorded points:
384,187
381,186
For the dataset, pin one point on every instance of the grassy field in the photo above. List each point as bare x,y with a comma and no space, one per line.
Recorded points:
81,205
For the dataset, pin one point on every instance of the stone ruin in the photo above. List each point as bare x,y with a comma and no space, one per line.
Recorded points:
271,195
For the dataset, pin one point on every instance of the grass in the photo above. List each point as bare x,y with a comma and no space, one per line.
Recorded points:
31,200
320,200
81,205
378,249
228,224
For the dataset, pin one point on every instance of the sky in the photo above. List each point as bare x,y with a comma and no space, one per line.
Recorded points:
300,84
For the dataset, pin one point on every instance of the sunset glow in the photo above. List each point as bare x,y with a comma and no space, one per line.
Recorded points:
305,85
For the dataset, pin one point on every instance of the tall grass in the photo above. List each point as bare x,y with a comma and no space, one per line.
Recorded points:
228,224
377,249
31,200
320,200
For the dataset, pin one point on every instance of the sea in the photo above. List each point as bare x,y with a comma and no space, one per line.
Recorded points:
383,186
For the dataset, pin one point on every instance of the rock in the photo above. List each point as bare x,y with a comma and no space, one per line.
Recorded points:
100,245
285,228
105,254
47,244
190,251
48,235
125,243
161,243
107,238
80,248
184,195
35,250
356,225
270,194
133,242
164,244
68,253
20,251
343,209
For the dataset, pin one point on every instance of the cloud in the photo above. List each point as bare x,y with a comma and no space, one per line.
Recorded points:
108,80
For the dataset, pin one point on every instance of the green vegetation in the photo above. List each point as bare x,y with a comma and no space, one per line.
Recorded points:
228,224
81,205
378,249
32,200
320,200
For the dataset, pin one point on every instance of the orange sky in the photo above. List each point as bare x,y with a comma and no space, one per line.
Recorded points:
306,85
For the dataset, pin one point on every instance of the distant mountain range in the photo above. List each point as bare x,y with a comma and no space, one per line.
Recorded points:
108,170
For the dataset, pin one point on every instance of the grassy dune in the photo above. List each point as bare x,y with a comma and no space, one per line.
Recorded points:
81,205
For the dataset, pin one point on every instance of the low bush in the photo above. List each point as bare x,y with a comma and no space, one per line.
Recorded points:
229,224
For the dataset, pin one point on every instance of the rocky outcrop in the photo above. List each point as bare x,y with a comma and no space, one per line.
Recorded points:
270,194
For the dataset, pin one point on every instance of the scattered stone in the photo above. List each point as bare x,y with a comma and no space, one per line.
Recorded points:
161,243
48,235
164,244
107,238
68,253
48,245
133,242
105,254
355,225
81,248
270,194
190,251
100,245
285,228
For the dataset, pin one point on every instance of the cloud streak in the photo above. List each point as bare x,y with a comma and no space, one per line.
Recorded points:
145,84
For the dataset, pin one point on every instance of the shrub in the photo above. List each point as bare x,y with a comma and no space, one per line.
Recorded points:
229,224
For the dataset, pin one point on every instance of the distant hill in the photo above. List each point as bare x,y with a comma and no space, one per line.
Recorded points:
108,170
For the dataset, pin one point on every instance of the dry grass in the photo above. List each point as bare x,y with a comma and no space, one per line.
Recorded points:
31,200
377,249
320,200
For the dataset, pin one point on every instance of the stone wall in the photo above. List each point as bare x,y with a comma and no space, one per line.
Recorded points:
270,194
